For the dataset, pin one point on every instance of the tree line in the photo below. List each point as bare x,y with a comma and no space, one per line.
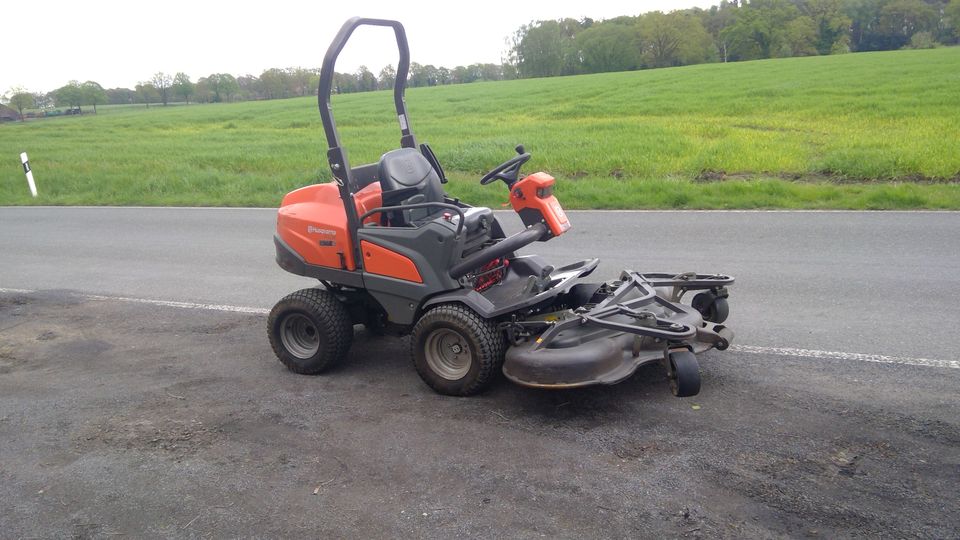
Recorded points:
733,30
163,88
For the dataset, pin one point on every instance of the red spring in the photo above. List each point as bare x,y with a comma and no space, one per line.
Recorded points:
491,274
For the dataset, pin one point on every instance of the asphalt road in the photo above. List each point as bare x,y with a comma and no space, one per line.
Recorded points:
120,418
863,282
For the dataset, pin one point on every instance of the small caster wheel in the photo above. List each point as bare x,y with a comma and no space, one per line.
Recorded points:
713,308
684,373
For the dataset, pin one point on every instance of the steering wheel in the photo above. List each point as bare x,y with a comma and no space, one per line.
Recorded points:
509,170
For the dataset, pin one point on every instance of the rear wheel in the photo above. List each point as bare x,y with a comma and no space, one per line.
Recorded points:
310,330
456,351
684,373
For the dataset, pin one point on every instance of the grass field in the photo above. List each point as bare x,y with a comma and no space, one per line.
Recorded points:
872,130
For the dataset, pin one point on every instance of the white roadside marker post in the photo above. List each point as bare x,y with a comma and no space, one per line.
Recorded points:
29,173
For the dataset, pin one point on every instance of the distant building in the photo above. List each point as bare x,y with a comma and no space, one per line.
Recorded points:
8,115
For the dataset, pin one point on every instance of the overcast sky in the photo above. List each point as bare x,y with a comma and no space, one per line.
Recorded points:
121,43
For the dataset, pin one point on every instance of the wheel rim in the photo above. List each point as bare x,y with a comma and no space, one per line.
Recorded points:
300,335
448,354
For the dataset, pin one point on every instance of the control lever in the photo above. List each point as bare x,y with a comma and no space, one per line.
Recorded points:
544,277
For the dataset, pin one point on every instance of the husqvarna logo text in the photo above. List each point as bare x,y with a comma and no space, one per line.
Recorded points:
316,230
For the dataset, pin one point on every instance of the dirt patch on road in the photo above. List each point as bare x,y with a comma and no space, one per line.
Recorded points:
120,418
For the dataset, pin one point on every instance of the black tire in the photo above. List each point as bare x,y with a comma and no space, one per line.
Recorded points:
684,374
310,330
712,307
455,351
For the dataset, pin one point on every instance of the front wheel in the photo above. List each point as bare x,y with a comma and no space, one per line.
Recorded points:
310,330
455,351
713,308
684,373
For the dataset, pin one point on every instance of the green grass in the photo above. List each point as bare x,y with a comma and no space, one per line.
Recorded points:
872,130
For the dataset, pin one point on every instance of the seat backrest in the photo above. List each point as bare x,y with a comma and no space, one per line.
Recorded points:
406,177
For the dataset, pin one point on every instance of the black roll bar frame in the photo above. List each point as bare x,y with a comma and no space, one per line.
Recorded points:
336,154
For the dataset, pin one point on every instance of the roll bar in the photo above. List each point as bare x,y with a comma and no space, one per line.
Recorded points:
399,85
336,155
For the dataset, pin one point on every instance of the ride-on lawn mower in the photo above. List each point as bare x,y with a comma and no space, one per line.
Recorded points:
395,253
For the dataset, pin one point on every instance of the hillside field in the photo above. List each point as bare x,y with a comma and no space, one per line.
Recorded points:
868,130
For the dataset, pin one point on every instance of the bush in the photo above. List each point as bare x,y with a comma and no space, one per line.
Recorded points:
922,40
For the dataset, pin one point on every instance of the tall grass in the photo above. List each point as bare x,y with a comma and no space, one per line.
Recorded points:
871,130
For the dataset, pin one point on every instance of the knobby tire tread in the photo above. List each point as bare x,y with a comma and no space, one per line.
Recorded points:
490,340
334,321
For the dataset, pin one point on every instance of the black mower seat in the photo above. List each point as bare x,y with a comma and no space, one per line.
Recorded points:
406,177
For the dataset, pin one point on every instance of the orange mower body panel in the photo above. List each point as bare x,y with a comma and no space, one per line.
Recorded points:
311,220
385,262
535,193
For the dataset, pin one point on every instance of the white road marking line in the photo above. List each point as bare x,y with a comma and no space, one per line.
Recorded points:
164,303
749,349
182,305
833,355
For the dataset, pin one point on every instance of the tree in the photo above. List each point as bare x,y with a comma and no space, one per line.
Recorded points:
344,83
147,92
20,99
952,16
490,72
43,100
922,40
249,87
864,24
121,96
673,39
662,37
161,81
388,75
759,30
800,38
610,47
222,85
69,95
94,94
547,48
366,80
299,81
422,75
508,71
274,83
314,85
444,75
901,19
463,75
718,19
182,86
830,24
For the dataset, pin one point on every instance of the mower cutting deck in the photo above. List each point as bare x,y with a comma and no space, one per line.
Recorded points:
394,252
